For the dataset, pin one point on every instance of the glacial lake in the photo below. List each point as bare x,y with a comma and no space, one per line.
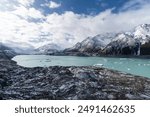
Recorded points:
134,66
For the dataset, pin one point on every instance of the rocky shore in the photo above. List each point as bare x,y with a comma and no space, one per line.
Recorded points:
74,83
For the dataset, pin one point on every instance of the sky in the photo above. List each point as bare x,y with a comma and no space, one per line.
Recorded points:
66,22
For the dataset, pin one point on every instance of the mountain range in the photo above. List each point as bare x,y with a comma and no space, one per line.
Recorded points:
48,49
136,42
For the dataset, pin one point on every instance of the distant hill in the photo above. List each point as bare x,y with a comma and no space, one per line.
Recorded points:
6,52
48,49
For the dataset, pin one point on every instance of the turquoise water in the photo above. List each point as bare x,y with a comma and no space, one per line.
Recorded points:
139,67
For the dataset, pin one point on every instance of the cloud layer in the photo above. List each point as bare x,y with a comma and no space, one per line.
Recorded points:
23,23
51,4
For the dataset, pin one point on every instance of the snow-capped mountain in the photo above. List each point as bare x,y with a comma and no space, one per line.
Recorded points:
142,33
104,39
6,52
49,49
125,43
136,42
131,43
92,44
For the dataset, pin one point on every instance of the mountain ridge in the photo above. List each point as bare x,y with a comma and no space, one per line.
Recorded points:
6,52
136,42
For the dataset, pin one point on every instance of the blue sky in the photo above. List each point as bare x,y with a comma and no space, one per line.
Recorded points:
66,22
87,7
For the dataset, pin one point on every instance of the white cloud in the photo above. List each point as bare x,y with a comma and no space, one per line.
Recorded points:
9,5
80,26
134,4
52,4
26,2
65,29
27,12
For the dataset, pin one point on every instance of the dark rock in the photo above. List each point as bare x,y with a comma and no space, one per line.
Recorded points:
57,82
145,49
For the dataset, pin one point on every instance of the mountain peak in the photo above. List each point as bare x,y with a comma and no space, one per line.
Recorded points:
49,48
142,32
145,27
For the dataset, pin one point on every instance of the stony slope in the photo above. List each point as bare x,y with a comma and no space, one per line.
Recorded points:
69,83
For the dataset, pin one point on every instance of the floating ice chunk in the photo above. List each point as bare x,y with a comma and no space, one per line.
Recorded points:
139,64
128,69
123,58
99,65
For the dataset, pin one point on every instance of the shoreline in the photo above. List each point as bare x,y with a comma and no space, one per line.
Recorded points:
112,56
94,57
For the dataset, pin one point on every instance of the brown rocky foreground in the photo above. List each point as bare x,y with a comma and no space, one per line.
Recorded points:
72,83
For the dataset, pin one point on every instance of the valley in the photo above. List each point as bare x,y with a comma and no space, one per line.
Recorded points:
78,81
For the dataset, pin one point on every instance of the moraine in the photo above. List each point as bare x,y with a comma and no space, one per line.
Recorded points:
134,66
